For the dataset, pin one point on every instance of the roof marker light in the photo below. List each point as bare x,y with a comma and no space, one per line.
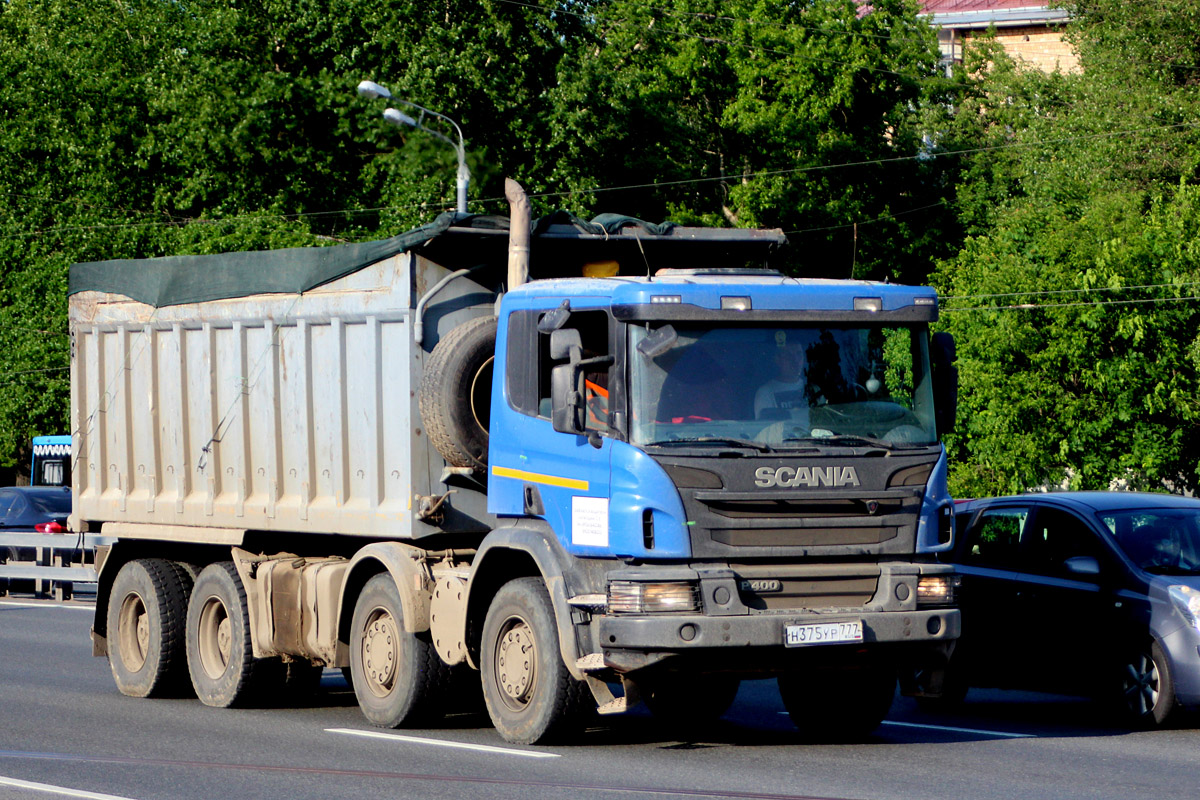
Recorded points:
736,304
666,298
872,304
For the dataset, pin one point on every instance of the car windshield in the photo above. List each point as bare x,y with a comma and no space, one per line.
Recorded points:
781,387
1165,541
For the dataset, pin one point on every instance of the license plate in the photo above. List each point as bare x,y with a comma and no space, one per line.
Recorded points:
823,633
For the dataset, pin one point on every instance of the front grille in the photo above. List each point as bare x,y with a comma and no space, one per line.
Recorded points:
764,589
806,508
802,537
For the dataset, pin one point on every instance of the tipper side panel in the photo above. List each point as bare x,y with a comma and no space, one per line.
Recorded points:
269,412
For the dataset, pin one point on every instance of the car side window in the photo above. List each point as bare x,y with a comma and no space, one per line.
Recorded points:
6,502
995,539
1056,537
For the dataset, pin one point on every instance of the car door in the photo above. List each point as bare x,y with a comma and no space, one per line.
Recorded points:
1066,615
988,561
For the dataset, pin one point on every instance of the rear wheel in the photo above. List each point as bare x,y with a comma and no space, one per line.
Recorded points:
1147,689
530,695
220,656
397,676
838,704
147,611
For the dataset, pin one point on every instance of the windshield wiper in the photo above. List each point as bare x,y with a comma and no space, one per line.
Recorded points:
852,441
759,446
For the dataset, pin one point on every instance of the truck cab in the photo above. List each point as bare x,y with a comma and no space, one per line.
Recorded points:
728,459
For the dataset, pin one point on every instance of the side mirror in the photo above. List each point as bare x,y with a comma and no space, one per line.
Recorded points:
1083,566
942,355
567,408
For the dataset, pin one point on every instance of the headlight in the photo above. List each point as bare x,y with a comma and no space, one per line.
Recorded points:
628,597
938,590
1187,600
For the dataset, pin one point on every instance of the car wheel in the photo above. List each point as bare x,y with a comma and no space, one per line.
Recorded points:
1147,689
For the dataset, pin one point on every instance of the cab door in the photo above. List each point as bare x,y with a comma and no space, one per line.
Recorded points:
534,470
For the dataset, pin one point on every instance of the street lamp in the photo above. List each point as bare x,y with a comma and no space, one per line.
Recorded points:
397,117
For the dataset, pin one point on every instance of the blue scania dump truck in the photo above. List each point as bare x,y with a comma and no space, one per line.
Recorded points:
556,467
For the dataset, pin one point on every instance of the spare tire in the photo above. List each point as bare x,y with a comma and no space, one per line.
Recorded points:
456,393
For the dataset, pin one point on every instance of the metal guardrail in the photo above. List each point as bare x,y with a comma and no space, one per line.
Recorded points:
60,560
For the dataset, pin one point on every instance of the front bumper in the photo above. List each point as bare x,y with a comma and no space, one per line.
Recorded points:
1182,649
690,632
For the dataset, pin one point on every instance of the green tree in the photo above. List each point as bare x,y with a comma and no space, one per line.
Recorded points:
734,113
1073,298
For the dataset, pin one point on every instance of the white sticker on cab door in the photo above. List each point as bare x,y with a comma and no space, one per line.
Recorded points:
589,521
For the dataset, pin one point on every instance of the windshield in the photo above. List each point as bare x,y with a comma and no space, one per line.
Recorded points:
1161,540
780,387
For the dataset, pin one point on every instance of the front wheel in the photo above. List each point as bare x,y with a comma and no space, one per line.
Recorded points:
838,704
530,695
1147,689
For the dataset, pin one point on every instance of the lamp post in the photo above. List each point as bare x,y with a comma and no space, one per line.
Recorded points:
397,117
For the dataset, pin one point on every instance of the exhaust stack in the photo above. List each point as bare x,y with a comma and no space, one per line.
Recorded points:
518,233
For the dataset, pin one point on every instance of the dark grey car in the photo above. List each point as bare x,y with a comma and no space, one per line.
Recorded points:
1081,593
24,508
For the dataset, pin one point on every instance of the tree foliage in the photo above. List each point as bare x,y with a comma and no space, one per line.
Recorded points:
1074,297
137,128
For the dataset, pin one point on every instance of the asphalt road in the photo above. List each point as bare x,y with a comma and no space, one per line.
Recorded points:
66,732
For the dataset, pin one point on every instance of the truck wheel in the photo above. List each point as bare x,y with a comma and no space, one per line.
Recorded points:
838,705
530,695
220,657
687,701
456,393
397,676
147,610
1147,689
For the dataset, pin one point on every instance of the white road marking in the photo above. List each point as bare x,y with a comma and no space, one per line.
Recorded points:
441,743
45,787
952,729
961,730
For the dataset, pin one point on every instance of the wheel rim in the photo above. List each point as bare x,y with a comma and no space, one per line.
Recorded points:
481,395
215,637
133,632
516,663
380,651
1141,685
